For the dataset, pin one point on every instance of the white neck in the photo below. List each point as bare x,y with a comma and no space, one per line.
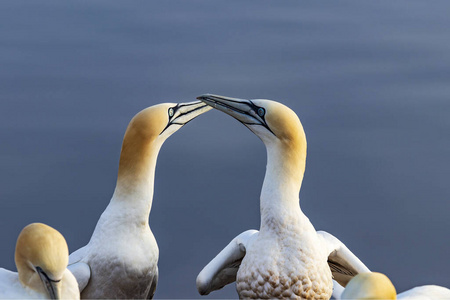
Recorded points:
279,203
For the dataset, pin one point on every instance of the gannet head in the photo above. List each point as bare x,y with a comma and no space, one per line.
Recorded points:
144,136
274,123
41,259
160,121
269,120
370,286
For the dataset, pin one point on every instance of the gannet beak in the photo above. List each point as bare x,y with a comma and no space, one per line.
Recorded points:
243,110
50,285
182,113
186,112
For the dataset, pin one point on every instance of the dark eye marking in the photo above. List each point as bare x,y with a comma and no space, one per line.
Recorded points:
177,111
171,112
261,112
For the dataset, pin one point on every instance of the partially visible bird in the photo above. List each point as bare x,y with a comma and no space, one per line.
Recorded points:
41,260
378,286
371,285
120,260
287,257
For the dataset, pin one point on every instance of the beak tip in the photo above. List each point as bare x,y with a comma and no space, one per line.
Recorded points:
204,96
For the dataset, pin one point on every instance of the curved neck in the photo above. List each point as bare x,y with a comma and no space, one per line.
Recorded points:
284,174
136,172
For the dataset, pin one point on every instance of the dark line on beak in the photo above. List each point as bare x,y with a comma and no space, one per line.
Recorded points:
46,276
47,281
183,114
251,105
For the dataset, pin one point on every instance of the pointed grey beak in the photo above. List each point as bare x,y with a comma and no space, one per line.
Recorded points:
50,285
183,113
243,110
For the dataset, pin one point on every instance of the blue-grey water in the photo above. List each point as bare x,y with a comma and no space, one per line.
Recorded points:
369,80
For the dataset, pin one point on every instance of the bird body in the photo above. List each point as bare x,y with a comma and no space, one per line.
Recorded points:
425,292
277,264
287,257
286,253
376,285
12,288
41,259
124,266
120,260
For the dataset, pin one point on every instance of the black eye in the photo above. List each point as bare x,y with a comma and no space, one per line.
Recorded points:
261,112
171,112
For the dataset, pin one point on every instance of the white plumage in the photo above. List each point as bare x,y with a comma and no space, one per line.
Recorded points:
379,286
120,260
425,292
286,257
41,259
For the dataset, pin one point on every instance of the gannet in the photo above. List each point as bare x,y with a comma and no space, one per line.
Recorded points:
286,258
120,260
378,286
41,259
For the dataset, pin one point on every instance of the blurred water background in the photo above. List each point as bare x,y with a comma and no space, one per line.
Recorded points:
369,80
